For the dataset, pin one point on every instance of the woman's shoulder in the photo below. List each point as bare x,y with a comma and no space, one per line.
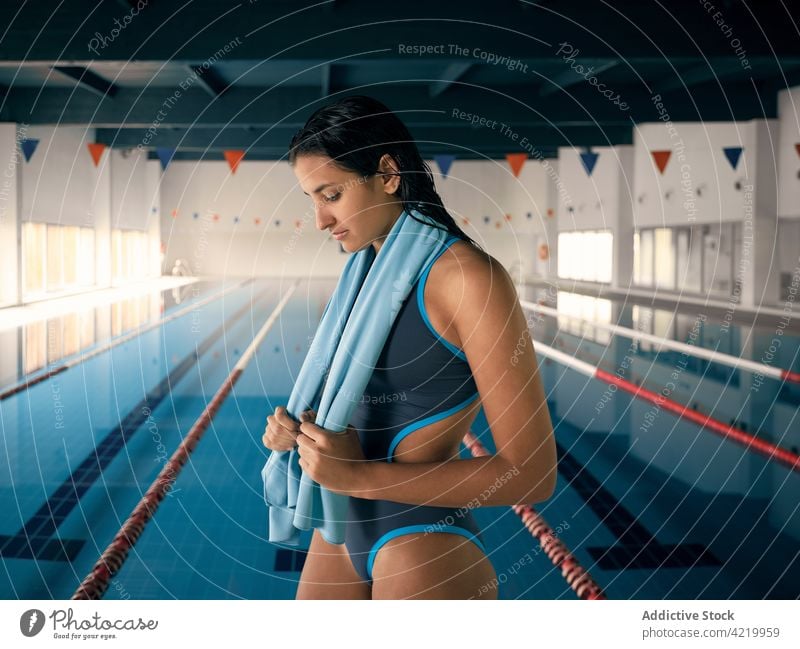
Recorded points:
465,279
464,263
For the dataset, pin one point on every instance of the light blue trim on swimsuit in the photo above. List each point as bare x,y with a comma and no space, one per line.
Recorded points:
421,304
405,432
411,529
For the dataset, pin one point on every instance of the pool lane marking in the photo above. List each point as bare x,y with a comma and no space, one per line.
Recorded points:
96,582
34,540
772,451
712,355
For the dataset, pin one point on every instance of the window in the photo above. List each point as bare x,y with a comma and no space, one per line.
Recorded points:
86,258
788,269
55,267
34,250
646,257
689,255
56,258
664,253
128,255
698,259
585,255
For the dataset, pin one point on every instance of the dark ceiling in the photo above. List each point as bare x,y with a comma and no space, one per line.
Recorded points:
205,76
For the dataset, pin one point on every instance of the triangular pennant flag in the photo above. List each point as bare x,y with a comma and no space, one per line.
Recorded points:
28,147
589,159
797,148
515,161
444,160
661,159
165,155
96,149
234,157
733,153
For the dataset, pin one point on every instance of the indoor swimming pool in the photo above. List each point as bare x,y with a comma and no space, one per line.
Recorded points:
672,511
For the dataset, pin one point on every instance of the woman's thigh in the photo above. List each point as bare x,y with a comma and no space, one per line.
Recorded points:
329,574
432,566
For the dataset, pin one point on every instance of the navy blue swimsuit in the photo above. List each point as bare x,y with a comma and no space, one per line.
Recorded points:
419,378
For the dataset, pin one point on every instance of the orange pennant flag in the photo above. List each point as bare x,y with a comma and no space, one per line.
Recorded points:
661,159
515,161
96,150
234,157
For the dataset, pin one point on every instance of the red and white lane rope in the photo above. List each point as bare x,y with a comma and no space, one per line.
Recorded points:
96,582
751,442
24,385
577,577
692,350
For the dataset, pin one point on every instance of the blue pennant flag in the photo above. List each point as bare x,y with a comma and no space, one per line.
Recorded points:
444,160
733,153
28,147
589,159
165,155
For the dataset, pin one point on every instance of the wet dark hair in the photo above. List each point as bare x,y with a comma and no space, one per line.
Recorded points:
356,132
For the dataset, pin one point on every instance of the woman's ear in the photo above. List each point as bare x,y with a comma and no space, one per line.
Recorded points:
390,173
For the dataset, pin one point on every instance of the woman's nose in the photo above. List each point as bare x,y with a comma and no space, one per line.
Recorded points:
323,217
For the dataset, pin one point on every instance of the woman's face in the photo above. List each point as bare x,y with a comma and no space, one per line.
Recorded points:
363,209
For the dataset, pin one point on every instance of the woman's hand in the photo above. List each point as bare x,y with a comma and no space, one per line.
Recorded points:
282,430
334,460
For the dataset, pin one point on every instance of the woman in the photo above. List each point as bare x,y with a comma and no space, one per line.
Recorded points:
460,341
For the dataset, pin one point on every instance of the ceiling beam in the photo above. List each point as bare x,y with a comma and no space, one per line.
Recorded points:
703,72
92,81
453,72
290,107
590,68
210,80
456,140
548,152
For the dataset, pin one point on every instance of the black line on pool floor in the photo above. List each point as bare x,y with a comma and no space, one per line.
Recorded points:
34,539
636,547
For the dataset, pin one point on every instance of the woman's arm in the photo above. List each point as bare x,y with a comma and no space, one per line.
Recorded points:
479,482
482,306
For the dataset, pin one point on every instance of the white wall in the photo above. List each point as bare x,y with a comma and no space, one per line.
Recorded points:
60,181
788,154
275,234
130,204
698,184
286,243
61,185
152,193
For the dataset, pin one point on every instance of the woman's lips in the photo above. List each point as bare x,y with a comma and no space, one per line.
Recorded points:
339,237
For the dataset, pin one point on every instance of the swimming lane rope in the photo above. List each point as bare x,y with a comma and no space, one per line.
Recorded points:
576,576
96,582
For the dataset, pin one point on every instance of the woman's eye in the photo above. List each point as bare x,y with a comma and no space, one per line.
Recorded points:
332,198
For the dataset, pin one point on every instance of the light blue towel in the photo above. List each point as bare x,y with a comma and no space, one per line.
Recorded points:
350,337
